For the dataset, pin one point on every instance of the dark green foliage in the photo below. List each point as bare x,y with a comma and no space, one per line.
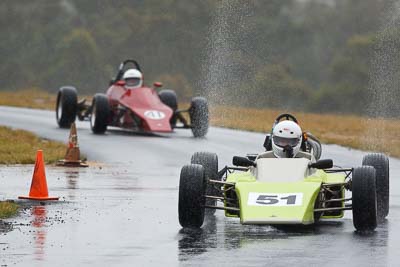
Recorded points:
276,87
319,55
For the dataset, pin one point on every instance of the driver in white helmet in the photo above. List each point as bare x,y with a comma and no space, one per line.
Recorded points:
133,79
286,139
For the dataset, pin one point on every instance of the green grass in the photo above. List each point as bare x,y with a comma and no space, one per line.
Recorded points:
7,209
19,147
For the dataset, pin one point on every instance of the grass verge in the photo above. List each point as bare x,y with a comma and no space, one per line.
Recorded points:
19,147
7,209
28,98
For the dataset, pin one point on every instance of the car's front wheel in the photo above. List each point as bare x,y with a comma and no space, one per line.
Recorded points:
198,112
364,201
100,112
169,98
66,106
191,196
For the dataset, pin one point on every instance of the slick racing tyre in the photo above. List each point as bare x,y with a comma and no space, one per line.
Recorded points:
192,187
100,114
199,116
66,106
169,98
364,198
381,164
209,161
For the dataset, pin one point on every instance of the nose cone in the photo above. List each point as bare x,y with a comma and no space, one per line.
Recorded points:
159,126
157,120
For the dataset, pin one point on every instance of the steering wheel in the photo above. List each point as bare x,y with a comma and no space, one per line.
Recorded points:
121,68
287,116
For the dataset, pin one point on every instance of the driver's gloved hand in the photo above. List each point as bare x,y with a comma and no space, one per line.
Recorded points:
289,151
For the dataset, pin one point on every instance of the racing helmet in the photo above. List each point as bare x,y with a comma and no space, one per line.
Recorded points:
286,139
133,78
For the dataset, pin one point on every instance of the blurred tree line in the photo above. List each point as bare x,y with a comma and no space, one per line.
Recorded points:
318,55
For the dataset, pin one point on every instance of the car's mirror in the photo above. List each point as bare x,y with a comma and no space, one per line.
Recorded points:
322,164
243,162
252,156
157,84
120,83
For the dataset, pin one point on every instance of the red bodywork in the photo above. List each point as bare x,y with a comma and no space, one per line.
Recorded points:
138,108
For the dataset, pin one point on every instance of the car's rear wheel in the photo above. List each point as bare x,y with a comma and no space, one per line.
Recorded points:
381,164
100,112
209,161
199,116
364,200
66,106
169,98
191,196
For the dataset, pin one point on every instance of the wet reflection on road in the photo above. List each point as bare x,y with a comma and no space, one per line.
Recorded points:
221,240
38,222
193,242
72,178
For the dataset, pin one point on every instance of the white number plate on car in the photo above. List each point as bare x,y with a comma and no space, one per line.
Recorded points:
275,199
154,114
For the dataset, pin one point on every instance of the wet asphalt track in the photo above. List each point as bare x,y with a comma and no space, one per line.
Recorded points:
123,211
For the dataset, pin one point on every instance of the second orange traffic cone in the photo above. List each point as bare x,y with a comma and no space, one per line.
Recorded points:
39,189
73,154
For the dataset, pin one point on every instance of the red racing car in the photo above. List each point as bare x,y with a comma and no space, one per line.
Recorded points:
129,104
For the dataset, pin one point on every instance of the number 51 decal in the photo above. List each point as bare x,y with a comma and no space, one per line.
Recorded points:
275,199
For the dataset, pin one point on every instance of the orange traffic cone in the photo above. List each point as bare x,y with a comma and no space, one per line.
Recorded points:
39,184
73,154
